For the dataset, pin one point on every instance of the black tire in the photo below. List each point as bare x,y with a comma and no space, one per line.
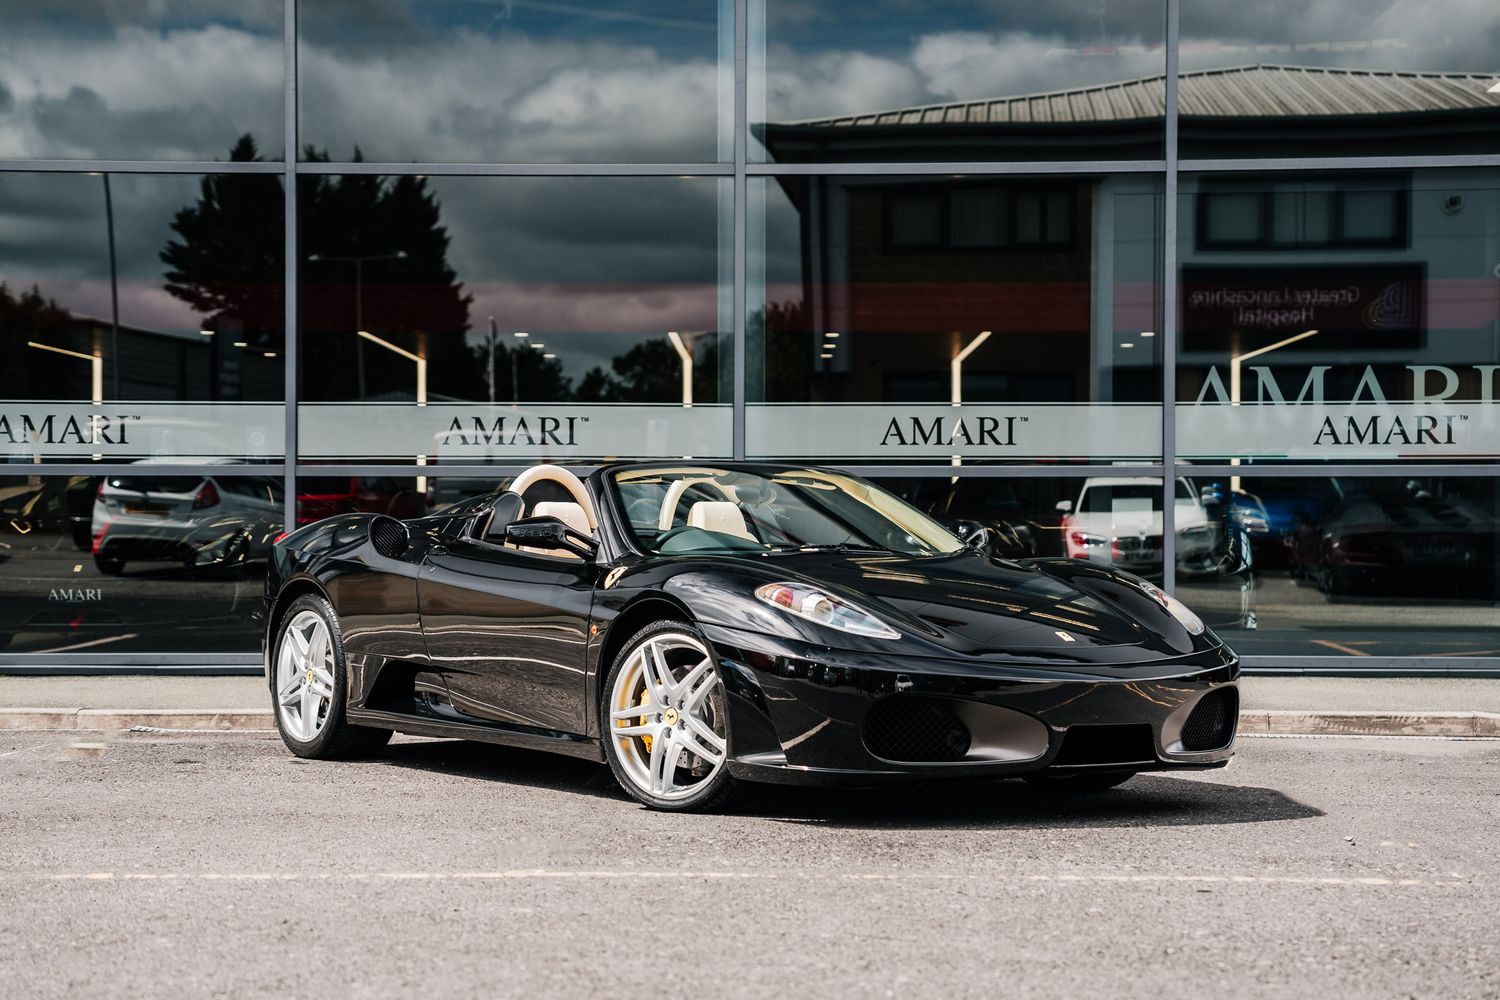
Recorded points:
109,566
717,792
1083,781
338,739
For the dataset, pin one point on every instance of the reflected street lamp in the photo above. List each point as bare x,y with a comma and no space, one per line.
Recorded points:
956,375
96,372
686,356
359,297
421,385
1234,382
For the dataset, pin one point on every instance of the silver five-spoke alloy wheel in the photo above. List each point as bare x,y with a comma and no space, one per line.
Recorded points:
304,675
665,716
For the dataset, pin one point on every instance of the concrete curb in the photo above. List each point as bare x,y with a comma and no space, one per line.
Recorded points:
1287,723
1371,723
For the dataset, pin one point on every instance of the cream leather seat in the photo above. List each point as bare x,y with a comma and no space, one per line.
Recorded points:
719,515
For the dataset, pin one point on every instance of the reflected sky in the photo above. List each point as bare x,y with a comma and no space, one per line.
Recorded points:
647,80
602,262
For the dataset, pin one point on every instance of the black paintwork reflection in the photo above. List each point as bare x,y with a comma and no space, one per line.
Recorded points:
456,637
508,630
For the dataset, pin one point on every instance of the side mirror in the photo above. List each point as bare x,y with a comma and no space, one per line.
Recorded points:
1066,506
973,534
550,533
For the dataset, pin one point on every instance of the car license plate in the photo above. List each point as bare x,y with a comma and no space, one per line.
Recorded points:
146,509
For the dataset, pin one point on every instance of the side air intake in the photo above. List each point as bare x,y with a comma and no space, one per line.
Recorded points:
389,537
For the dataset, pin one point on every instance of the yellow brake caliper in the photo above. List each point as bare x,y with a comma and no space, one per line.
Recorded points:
645,700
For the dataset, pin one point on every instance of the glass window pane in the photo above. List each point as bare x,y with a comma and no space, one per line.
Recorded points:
1109,520
840,81
1371,216
1338,79
141,316
507,318
916,221
167,80
980,216
137,563
1329,566
860,346
1236,217
453,82
1371,340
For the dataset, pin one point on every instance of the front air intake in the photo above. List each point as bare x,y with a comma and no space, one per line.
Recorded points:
1211,724
915,730
388,536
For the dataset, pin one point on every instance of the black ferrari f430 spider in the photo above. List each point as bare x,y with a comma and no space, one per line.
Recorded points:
700,625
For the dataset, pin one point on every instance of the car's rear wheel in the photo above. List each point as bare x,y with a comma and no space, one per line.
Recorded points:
665,721
109,565
309,686
1084,781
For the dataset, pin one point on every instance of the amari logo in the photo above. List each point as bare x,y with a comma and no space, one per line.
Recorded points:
506,433
61,428
973,431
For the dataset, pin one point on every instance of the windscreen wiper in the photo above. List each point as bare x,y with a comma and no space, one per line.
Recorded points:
840,547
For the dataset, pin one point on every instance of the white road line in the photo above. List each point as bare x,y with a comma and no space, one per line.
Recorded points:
584,875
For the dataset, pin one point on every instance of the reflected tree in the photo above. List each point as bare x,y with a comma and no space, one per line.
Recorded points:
651,372
35,374
226,260
374,256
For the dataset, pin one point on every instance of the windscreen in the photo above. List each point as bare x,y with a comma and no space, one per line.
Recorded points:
703,510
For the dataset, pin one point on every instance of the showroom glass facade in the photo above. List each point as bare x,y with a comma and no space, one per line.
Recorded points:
1208,293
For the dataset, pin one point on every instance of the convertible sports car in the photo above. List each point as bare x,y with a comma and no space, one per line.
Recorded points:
702,625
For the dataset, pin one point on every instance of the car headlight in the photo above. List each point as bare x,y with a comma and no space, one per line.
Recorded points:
824,608
1084,540
1184,615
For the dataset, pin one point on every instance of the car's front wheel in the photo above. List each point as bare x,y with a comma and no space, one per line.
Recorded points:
309,686
665,721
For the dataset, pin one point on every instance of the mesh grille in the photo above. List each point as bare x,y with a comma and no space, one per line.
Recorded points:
923,730
1126,744
1211,724
389,537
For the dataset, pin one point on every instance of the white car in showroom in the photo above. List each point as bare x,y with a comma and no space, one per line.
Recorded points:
1117,520
158,515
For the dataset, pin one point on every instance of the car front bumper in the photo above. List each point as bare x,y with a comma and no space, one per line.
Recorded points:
803,714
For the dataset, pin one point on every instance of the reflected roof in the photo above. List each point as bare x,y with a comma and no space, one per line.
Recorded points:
1236,92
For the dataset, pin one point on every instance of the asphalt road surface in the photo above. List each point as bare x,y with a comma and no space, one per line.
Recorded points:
203,865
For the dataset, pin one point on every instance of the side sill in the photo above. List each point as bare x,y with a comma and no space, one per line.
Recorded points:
517,736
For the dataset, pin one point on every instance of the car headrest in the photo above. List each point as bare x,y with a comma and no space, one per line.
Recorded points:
570,514
505,509
719,515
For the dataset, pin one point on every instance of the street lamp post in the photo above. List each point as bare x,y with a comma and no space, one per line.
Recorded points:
96,379
359,299
956,375
685,355
421,363
1234,382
